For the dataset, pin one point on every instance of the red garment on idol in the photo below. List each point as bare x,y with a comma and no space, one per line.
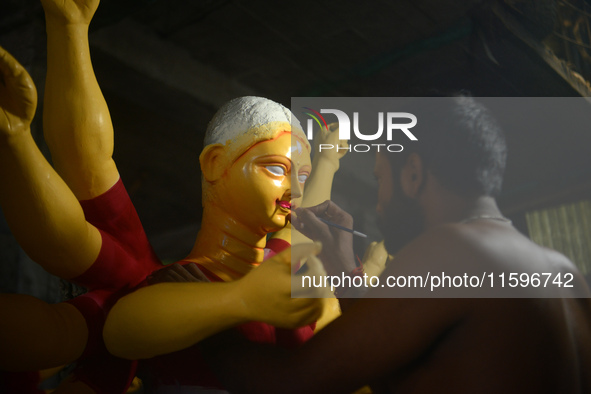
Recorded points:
125,259
188,368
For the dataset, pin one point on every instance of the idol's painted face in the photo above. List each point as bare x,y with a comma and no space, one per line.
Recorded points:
266,182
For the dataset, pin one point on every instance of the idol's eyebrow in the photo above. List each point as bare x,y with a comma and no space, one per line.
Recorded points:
275,156
280,158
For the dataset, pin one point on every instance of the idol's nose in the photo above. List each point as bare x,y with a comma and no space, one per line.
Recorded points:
296,188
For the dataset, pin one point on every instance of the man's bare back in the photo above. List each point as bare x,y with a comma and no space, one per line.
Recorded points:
500,344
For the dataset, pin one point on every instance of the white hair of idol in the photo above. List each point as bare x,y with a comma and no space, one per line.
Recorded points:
244,114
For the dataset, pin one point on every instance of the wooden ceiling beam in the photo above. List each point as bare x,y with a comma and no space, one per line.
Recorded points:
141,49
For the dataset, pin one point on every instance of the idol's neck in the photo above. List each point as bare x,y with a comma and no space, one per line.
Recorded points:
226,247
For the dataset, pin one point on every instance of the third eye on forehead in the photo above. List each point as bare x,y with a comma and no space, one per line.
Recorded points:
297,147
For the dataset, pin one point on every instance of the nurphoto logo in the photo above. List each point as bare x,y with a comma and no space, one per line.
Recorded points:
392,122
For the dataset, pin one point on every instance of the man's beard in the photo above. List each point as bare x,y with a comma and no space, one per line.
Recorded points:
401,221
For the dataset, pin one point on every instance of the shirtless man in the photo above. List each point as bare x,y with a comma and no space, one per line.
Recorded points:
436,200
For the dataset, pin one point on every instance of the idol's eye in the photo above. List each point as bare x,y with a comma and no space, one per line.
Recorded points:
302,178
276,170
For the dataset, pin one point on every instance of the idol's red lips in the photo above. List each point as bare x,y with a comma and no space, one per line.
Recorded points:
284,204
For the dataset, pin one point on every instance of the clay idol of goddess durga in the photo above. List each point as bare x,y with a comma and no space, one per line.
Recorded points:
76,220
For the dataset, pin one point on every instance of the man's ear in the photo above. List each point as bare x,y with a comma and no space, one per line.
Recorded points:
213,162
412,176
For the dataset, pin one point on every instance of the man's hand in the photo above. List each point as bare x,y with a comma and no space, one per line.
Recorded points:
337,245
70,11
177,273
265,292
18,96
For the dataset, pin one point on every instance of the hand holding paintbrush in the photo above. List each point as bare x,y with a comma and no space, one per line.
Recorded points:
333,227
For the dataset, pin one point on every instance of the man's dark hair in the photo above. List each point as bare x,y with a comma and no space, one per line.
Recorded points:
459,142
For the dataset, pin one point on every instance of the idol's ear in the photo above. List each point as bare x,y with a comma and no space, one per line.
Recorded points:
412,176
213,161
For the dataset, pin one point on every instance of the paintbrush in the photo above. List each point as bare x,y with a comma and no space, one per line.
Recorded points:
350,230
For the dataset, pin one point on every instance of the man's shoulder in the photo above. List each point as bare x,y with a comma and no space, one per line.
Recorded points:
484,241
460,248
444,241
445,249
568,270
559,261
488,250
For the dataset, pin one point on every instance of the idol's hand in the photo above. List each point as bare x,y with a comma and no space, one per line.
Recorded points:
70,11
18,96
337,245
177,273
330,136
375,259
265,292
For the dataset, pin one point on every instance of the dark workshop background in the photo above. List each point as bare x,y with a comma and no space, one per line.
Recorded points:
165,66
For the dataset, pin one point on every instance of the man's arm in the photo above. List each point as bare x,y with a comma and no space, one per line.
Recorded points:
375,337
168,317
